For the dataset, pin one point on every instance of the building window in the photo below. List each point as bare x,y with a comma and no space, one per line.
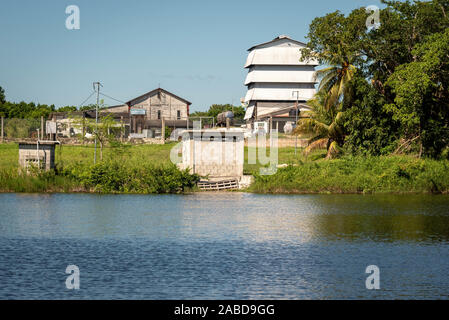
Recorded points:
159,114
178,114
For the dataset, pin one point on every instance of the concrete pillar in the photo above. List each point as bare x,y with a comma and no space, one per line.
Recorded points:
228,123
163,130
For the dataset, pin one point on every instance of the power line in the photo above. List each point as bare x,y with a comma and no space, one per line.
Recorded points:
86,99
112,98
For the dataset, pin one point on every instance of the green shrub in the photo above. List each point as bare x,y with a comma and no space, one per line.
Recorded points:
398,174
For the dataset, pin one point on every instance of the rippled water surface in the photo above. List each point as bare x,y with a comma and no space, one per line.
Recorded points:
223,246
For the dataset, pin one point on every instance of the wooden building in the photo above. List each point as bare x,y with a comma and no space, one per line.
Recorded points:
141,117
148,110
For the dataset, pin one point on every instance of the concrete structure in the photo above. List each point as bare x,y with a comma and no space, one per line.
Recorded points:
218,154
277,79
40,154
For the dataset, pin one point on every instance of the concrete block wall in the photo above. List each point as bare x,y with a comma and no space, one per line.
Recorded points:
214,158
29,156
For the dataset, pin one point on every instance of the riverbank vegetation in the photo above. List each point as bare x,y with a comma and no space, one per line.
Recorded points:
360,174
125,169
147,169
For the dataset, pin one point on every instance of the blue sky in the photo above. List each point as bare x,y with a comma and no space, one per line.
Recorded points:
196,49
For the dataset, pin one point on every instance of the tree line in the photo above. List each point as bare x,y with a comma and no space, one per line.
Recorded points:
383,90
31,110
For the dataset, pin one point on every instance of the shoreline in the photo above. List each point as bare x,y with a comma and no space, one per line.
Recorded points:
146,169
286,193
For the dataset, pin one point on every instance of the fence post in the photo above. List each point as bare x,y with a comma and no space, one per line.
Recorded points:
163,130
84,127
121,129
2,129
42,128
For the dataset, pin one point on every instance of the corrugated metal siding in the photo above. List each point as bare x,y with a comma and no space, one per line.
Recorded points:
277,56
281,74
279,92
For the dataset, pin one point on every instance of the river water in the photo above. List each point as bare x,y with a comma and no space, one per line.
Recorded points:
223,246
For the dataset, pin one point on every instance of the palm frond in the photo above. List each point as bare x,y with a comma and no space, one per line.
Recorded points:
333,151
318,144
310,125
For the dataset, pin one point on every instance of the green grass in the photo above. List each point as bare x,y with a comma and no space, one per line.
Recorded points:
389,174
127,167
67,154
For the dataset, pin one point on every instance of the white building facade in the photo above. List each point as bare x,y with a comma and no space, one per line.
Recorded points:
277,78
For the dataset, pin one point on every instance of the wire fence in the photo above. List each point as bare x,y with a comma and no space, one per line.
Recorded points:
16,128
82,130
70,128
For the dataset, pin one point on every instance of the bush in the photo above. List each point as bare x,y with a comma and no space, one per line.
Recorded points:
116,177
398,174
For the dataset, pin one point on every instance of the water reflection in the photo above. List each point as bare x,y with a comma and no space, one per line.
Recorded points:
228,216
223,246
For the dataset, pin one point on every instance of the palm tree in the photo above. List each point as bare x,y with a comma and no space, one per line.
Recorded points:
335,79
324,124
324,119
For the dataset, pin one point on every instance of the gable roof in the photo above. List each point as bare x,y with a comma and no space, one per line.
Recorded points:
159,90
279,38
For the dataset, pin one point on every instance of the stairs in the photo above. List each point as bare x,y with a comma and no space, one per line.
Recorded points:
228,184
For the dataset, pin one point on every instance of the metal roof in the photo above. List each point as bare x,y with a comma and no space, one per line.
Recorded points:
278,56
278,38
159,90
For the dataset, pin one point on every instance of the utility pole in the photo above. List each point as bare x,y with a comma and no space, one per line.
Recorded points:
98,84
296,118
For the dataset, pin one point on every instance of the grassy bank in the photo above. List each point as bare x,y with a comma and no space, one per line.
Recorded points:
398,174
147,169
128,169
104,177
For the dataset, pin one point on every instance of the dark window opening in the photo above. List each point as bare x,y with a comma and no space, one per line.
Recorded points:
159,114
178,114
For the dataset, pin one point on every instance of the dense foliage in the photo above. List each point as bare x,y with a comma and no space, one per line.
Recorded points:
114,176
25,110
391,83
383,174
103,177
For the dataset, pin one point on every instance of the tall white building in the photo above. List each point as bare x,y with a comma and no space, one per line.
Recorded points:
277,79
